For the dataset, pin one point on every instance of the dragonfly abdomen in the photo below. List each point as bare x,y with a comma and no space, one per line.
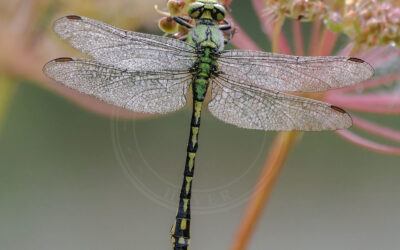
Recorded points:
203,70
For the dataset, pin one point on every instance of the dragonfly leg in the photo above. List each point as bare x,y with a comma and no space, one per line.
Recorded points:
226,41
226,26
227,29
183,38
183,21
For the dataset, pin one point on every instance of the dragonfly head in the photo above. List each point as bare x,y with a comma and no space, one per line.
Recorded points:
207,9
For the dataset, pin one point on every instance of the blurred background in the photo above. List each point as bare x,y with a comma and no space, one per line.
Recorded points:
71,177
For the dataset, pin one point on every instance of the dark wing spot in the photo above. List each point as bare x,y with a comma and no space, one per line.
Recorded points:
63,59
355,59
74,17
336,108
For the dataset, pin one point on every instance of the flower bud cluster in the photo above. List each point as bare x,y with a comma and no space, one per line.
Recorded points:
372,22
366,22
174,8
304,10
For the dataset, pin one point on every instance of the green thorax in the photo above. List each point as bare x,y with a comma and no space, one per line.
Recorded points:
208,41
203,70
206,34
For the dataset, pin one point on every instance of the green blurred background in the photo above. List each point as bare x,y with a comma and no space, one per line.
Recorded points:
74,179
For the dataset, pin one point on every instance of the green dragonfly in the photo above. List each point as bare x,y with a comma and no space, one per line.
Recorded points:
152,74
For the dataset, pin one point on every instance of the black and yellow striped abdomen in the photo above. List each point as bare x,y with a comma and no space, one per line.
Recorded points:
203,70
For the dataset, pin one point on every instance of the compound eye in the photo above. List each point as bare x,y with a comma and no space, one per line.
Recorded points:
195,10
219,12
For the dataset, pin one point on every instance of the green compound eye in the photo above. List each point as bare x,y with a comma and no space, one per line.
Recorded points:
219,12
196,9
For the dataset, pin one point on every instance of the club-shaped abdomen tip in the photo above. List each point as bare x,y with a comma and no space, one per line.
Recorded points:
74,17
63,59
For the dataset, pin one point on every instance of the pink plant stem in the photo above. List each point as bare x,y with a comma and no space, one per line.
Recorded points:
298,38
241,40
268,27
22,19
315,37
355,50
367,143
372,103
328,43
376,129
275,160
373,83
380,55
277,31
277,156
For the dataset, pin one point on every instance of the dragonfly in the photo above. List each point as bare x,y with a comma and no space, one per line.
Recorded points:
152,74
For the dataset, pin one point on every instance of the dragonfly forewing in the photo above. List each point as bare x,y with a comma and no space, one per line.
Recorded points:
255,108
148,92
124,49
292,73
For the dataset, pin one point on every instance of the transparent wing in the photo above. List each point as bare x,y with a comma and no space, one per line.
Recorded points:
255,108
124,49
292,73
148,92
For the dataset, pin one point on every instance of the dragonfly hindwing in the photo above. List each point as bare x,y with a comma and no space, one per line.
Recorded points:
254,108
149,92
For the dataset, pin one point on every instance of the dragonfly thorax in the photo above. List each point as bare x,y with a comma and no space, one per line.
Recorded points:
203,70
205,34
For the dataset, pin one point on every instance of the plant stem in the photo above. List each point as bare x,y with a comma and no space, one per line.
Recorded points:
298,38
277,31
275,160
327,42
7,90
315,38
354,50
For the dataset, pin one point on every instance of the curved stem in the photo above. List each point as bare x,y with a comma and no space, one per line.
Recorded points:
327,42
241,40
268,24
274,163
275,160
376,129
371,103
277,31
365,143
315,38
298,38
369,84
354,50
